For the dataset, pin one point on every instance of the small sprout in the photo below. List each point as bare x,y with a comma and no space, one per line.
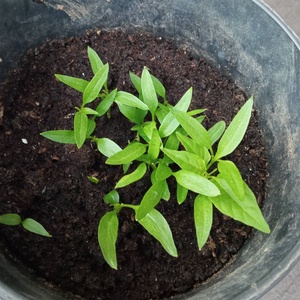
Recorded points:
170,142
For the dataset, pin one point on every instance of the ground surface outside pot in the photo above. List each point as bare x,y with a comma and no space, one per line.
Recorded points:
239,36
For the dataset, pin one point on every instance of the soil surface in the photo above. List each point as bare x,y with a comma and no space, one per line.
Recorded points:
48,181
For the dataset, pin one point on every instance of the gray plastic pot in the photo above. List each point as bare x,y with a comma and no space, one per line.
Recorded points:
263,56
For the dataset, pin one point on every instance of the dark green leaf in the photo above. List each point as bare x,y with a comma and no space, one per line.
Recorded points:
148,91
193,128
10,219
196,183
158,227
107,237
75,83
35,227
235,132
127,155
107,147
96,62
95,85
136,175
60,136
80,128
203,217
150,199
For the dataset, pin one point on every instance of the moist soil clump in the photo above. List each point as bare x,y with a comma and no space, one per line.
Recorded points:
48,181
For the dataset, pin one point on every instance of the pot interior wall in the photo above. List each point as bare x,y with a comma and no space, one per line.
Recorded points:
238,36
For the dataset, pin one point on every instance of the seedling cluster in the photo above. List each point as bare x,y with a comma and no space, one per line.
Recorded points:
170,141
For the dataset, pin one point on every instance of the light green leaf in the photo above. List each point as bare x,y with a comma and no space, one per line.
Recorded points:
106,103
162,172
150,199
154,145
172,142
246,211
191,146
80,128
35,227
148,128
203,217
181,193
170,123
159,88
193,128
130,100
75,83
90,127
93,179
107,147
10,219
107,237
196,183
112,197
155,223
196,112
88,111
95,61
136,81
216,131
187,161
235,132
131,113
60,136
231,174
136,175
148,91
127,155
95,85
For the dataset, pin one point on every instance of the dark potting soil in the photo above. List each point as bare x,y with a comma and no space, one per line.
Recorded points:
48,181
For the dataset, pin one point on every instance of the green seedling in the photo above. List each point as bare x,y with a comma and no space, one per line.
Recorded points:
170,141
28,223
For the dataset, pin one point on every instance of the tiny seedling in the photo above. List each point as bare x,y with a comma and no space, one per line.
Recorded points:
28,223
170,141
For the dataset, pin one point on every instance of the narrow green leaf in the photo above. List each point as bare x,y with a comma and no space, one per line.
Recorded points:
35,227
187,161
191,146
107,147
203,217
130,100
106,103
170,123
196,112
193,128
154,145
107,237
93,179
147,129
92,90
136,81
148,91
60,136
112,197
159,88
88,111
136,175
181,193
155,223
196,183
90,127
231,174
131,113
172,142
127,155
150,199
73,82
216,131
10,219
162,172
246,211
235,132
80,128
95,61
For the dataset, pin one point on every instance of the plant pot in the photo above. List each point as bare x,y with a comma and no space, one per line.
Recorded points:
240,37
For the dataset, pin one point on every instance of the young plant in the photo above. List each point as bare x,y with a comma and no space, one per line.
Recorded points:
28,223
170,141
